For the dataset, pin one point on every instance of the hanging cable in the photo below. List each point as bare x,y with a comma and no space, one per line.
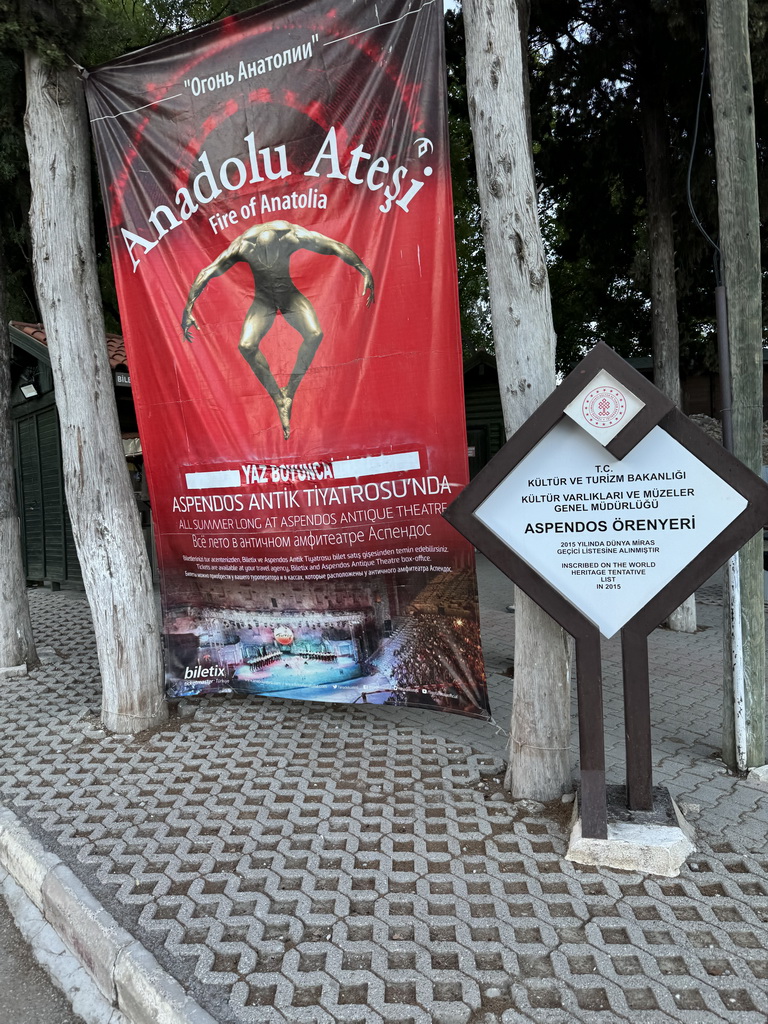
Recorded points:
689,193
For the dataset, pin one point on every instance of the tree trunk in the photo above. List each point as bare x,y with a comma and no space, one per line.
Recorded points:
661,245
739,222
104,518
17,646
539,760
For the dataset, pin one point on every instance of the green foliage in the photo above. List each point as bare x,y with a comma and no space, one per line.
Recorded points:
14,184
53,28
587,60
589,164
124,25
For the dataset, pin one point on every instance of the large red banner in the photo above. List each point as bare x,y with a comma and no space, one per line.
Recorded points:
280,217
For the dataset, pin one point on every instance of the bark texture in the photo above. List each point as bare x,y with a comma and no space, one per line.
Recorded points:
17,645
104,518
661,244
739,223
539,759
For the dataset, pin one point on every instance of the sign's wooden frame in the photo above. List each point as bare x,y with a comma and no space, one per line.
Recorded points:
658,411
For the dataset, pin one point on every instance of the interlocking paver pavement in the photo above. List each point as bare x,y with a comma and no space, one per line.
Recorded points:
311,862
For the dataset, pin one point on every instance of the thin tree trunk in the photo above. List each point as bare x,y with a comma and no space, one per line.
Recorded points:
539,760
104,518
739,222
661,244
17,647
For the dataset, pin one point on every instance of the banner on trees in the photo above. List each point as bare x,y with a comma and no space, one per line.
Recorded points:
278,198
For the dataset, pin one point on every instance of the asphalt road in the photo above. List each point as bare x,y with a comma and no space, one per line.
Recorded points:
27,996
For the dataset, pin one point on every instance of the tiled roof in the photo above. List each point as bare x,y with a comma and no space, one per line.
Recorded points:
115,346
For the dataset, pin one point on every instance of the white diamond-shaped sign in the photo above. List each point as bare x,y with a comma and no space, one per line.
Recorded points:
604,407
609,534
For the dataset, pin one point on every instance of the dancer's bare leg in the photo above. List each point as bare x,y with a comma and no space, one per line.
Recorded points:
258,321
301,315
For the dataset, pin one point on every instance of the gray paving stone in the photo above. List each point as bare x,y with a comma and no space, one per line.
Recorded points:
295,862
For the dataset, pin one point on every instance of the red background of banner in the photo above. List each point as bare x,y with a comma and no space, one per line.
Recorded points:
383,376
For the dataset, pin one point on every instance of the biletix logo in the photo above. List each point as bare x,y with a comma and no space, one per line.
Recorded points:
604,407
199,672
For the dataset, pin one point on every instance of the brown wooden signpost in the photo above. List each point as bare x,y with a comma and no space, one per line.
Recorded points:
609,507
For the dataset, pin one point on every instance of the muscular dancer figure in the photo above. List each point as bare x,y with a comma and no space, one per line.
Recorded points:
267,249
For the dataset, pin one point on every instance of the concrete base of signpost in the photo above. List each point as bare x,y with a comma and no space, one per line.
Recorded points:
655,842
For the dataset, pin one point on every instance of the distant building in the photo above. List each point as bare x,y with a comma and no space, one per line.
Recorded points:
48,547
482,403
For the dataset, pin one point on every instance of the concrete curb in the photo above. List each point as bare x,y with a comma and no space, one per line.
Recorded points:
62,967
125,972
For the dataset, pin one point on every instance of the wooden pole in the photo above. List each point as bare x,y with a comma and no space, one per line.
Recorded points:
637,720
589,682
739,222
